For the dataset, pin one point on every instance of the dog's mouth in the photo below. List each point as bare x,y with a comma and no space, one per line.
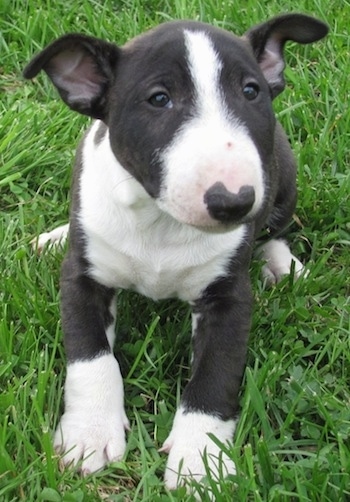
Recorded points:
205,222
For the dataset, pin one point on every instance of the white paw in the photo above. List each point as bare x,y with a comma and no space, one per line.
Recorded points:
92,429
56,237
279,261
191,449
93,440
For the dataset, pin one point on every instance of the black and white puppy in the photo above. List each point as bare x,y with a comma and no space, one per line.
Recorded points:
182,169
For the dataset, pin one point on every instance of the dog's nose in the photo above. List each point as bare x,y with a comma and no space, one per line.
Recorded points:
226,206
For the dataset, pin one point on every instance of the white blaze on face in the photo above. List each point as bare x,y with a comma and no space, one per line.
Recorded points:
213,146
205,68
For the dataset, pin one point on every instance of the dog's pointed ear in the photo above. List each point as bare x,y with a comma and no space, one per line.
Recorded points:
268,39
82,68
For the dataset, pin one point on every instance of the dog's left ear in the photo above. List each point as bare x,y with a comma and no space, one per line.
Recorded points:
268,39
82,69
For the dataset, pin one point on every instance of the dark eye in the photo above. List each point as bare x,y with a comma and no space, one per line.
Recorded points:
251,91
160,100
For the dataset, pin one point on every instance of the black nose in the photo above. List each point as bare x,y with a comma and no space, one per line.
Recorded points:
226,206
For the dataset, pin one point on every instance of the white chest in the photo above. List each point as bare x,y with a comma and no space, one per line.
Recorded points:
158,266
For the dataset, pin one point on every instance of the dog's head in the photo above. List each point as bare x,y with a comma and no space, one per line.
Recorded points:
188,107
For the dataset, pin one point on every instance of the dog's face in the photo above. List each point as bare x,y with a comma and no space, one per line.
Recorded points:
188,109
189,127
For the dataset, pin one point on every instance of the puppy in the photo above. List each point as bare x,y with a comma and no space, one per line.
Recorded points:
183,167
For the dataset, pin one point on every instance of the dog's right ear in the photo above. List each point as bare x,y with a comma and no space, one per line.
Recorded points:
82,68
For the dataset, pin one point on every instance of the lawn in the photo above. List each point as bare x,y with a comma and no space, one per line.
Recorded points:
293,440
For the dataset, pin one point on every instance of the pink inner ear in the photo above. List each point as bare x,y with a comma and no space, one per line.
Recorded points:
74,72
272,63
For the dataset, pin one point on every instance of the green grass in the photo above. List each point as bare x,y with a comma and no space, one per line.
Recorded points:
293,440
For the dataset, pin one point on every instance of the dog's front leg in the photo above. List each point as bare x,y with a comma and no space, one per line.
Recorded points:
221,322
92,428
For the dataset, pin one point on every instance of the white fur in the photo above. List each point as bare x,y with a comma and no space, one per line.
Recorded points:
278,261
195,320
188,442
110,331
144,249
57,236
211,147
92,428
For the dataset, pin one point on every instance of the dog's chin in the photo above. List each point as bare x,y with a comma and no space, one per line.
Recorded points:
217,227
